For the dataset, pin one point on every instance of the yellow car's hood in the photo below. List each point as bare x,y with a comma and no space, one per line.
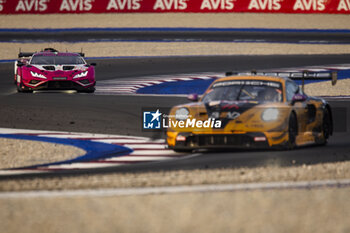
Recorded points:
234,115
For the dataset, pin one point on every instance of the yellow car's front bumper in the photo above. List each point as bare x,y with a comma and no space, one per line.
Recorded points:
191,141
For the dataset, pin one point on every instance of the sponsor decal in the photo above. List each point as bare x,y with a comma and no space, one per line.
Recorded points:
248,83
274,5
170,5
123,5
217,5
344,5
307,5
158,6
31,5
76,5
227,111
2,5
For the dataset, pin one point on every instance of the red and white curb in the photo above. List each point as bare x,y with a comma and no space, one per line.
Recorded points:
130,86
144,150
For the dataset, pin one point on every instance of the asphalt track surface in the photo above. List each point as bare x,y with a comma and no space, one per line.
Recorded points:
303,36
122,114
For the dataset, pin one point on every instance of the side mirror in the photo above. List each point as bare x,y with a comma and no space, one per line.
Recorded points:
193,97
93,64
19,63
298,98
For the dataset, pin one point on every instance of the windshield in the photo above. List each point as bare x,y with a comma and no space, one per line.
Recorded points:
57,60
251,90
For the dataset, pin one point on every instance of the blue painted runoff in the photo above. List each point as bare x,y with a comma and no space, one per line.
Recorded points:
179,87
199,86
94,150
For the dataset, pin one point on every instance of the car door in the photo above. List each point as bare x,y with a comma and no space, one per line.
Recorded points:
300,107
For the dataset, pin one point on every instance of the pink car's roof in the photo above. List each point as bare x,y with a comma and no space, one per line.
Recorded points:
56,54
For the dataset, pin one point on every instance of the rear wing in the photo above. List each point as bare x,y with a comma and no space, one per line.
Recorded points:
29,54
25,54
304,75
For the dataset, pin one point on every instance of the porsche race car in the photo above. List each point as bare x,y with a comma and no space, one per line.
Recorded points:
252,111
53,70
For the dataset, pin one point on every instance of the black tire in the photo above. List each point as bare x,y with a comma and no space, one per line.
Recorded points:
292,131
23,90
19,89
326,126
89,90
183,150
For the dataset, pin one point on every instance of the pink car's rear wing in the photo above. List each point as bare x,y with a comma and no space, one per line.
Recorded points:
25,54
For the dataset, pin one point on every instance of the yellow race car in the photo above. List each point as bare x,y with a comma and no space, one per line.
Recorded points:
252,111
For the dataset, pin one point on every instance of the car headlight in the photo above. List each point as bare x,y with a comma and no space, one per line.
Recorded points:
270,114
37,75
181,114
83,74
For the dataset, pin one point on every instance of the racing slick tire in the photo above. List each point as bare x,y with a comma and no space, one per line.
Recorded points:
182,150
326,127
292,131
23,90
88,90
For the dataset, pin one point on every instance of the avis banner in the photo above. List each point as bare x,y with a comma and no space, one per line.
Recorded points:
182,6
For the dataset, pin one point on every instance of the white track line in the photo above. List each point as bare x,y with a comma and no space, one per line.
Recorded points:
122,141
154,152
20,172
136,159
81,166
130,87
115,87
177,189
146,146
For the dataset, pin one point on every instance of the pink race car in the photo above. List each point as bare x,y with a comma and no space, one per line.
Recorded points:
53,70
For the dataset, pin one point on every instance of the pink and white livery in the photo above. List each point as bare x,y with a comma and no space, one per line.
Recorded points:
53,70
